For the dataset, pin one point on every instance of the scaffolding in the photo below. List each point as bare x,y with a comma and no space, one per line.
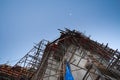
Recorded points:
88,59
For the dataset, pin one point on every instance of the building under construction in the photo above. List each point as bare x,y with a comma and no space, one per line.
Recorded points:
85,58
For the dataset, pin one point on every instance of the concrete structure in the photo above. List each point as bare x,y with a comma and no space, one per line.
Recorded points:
88,59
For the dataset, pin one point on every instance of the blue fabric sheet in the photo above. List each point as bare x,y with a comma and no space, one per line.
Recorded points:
68,74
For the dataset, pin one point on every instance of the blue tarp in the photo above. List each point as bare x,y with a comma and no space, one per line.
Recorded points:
68,74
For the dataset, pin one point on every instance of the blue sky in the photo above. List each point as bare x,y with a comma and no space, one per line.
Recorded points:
25,22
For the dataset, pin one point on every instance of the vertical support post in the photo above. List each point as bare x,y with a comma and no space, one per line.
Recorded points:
87,72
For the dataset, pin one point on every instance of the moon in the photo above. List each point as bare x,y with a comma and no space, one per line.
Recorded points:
70,14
